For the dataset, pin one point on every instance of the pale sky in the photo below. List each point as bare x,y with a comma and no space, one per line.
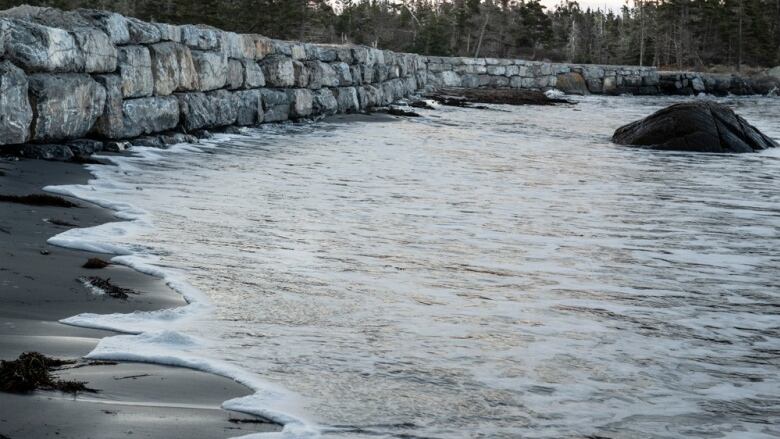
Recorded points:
615,5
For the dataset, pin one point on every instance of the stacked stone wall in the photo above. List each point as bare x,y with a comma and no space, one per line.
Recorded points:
85,73
522,74
95,74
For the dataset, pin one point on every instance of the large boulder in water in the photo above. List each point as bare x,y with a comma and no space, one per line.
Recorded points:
697,127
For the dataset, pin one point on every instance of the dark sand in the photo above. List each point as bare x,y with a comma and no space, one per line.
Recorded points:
37,290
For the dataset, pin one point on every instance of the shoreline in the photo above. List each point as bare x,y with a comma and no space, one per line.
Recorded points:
41,288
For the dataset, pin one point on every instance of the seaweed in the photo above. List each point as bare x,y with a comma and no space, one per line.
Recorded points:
95,264
33,371
248,421
62,223
38,200
107,287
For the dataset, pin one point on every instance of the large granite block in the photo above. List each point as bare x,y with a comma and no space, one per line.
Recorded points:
278,70
212,68
249,107
15,111
110,124
37,48
149,115
66,105
276,105
208,110
135,67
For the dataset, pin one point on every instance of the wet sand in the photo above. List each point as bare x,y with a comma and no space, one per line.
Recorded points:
39,286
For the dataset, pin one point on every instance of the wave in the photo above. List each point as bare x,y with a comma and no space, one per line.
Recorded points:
158,337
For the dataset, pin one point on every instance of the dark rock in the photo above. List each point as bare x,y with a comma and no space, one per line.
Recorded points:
696,127
85,147
572,83
116,146
38,48
45,152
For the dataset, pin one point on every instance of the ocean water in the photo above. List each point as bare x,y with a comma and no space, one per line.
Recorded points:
475,273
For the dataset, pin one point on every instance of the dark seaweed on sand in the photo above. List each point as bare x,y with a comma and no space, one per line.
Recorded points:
109,288
33,371
38,200
95,264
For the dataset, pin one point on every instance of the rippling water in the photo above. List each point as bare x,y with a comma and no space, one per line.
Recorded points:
498,273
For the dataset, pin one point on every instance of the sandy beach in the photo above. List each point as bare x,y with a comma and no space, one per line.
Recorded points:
40,286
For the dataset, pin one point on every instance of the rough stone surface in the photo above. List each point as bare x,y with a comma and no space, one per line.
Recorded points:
142,32
249,107
278,71
302,74
149,115
301,102
113,24
100,54
325,102
15,111
572,83
200,38
347,99
110,124
169,32
135,67
276,105
253,75
172,68
696,127
212,68
37,48
66,105
235,74
322,75
207,110
54,152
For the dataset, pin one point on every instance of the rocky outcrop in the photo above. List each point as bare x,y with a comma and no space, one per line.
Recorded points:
695,127
572,83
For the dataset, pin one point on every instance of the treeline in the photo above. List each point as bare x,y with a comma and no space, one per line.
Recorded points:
665,33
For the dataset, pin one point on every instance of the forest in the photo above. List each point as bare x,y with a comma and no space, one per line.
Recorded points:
719,35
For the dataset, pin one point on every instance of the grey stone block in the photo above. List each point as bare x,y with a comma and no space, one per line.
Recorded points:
301,102
149,115
110,124
212,68
37,48
278,70
135,67
249,107
66,105
15,111
276,105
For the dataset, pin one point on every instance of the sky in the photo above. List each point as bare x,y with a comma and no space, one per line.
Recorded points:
615,5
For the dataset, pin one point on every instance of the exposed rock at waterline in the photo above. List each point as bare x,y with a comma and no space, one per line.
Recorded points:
696,127
572,83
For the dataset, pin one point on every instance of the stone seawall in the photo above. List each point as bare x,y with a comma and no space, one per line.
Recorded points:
79,74
516,73
85,73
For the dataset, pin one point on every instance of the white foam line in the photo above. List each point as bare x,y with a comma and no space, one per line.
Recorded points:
151,335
